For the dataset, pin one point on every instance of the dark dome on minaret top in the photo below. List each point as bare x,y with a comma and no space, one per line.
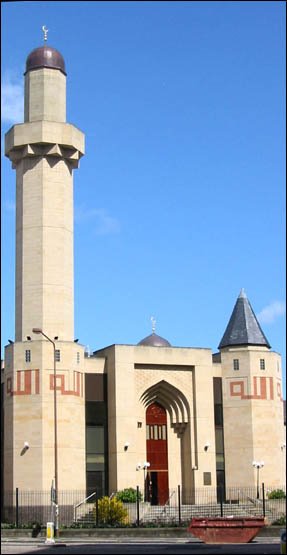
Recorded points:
45,56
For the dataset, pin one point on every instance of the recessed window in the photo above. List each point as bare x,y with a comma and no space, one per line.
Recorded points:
28,355
262,364
156,431
139,424
207,478
235,364
78,358
57,355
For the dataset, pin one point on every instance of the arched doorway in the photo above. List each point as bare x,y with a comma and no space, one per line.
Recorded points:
156,486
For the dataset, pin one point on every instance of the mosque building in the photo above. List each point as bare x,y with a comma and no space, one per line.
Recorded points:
198,419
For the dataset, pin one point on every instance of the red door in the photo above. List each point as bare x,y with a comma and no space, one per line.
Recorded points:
157,477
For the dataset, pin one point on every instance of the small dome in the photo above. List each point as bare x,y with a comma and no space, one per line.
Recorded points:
45,56
154,340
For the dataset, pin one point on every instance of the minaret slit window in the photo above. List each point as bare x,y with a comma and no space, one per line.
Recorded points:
262,364
235,364
57,355
27,355
78,358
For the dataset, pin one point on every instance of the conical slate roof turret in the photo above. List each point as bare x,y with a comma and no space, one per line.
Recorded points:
243,327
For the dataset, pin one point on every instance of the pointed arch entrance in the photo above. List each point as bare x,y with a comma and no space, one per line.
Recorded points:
167,406
156,450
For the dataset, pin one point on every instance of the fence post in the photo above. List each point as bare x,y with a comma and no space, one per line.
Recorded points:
17,507
138,506
179,504
221,499
97,509
263,498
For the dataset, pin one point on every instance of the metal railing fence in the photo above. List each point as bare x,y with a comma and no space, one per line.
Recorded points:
22,508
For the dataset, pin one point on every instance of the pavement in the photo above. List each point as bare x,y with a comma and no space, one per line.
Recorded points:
268,534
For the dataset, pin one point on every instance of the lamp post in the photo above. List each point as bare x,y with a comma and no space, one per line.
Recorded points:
283,447
258,465
56,511
144,466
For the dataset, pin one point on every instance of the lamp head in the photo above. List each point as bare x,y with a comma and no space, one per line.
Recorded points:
37,330
146,464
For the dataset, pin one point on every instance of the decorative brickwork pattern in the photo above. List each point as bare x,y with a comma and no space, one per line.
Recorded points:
26,382
260,388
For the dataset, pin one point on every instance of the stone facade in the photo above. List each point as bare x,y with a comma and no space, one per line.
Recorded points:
221,415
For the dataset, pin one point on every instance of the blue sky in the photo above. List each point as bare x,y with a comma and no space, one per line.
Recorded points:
180,198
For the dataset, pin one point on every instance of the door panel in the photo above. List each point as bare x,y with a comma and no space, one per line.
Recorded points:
157,455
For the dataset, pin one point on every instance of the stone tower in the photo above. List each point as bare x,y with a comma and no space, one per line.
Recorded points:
44,150
252,401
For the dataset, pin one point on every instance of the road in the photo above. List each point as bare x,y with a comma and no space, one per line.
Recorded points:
266,546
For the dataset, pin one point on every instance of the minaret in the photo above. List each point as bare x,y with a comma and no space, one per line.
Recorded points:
44,151
252,400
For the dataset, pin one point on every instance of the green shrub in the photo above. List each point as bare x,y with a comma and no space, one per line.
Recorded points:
276,494
281,521
128,495
110,511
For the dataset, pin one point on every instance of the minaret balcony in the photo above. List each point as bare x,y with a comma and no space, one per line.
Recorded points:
45,138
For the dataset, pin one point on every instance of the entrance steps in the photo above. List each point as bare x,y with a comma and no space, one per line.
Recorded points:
170,514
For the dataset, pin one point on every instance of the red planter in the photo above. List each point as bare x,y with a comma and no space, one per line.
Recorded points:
226,529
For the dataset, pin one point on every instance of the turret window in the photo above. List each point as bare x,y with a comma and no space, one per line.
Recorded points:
235,364
28,355
57,355
262,364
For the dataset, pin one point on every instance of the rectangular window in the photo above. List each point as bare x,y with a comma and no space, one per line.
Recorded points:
219,440
207,478
96,387
262,364
78,358
95,439
28,355
164,431
218,415
155,432
147,432
235,364
57,355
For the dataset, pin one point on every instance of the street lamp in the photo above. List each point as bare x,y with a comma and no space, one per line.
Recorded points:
283,447
56,513
144,466
258,465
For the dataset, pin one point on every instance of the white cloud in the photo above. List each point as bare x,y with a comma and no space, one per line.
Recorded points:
12,99
104,223
271,312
